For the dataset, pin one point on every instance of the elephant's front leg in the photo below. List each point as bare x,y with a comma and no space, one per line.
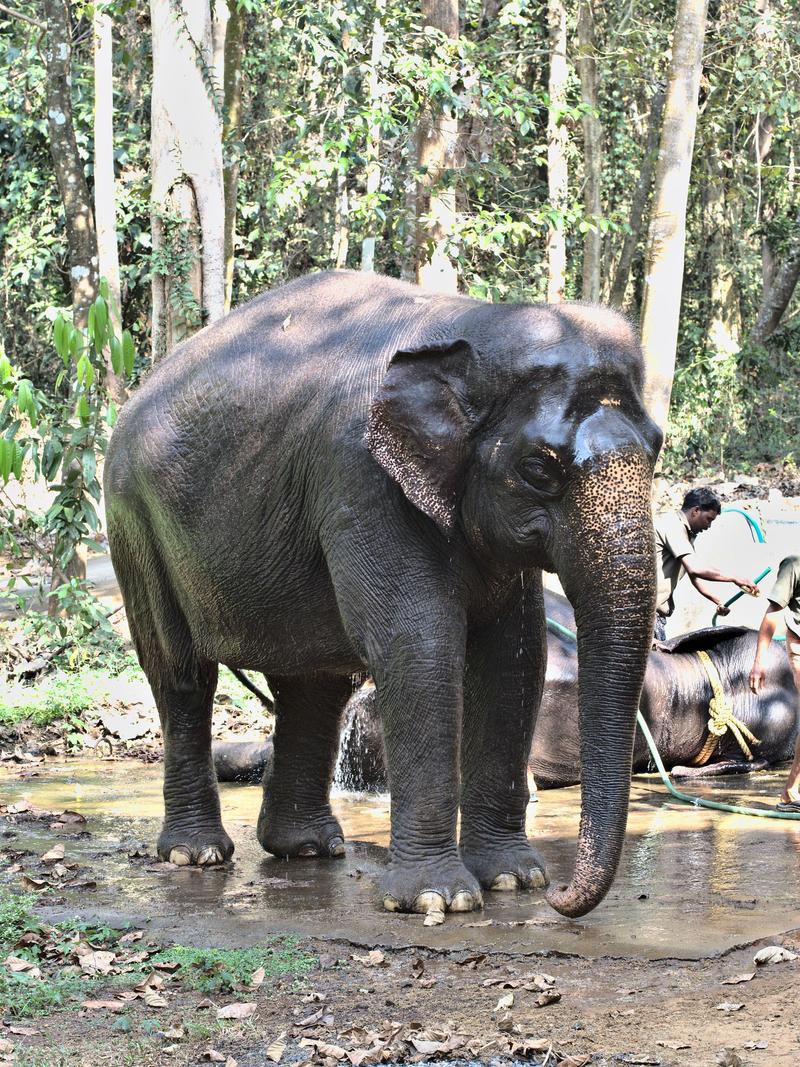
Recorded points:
503,683
296,817
419,689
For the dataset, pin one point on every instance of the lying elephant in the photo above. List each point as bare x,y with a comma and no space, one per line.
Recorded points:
675,704
351,475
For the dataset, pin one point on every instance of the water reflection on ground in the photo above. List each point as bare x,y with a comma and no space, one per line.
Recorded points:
692,882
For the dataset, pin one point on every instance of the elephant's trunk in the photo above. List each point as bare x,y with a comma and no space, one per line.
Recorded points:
605,560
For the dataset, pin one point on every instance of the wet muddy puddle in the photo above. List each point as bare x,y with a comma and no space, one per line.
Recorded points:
692,882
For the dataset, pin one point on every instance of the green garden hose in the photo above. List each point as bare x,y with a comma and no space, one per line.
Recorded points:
697,802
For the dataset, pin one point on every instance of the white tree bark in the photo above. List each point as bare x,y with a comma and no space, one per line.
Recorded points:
436,152
664,260
557,176
186,146
105,203
592,153
374,135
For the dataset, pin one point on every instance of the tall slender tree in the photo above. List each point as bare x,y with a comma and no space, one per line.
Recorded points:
373,182
437,141
188,200
592,152
664,262
557,174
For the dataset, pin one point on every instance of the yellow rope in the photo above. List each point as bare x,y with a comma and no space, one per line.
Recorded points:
721,718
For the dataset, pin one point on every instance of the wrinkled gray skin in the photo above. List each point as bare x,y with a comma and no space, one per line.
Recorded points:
674,702
348,474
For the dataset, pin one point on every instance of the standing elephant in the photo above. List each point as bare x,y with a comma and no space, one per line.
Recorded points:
349,474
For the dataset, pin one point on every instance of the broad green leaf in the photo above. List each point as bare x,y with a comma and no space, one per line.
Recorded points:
128,351
89,464
82,410
116,355
6,458
100,323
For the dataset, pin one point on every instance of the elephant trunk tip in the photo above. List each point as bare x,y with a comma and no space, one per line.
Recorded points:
573,901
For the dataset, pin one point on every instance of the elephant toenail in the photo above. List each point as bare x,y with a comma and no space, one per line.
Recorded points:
181,856
425,903
308,850
504,883
464,901
336,847
391,904
537,879
210,857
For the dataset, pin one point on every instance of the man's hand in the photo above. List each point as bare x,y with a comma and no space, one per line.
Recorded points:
746,587
722,609
756,678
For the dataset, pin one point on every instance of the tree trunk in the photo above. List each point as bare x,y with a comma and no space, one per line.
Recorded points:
777,298
592,154
623,272
78,214
664,261
374,137
724,329
234,49
188,202
437,141
105,203
340,245
557,179
67,163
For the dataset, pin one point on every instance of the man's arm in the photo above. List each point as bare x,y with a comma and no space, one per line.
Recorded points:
689,564
765,633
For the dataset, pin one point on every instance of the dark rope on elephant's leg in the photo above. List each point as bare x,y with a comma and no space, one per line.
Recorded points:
242,677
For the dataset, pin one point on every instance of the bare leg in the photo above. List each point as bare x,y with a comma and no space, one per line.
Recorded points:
791,790
296,817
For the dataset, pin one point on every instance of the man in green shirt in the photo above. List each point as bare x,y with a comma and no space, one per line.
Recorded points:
676,532
784,598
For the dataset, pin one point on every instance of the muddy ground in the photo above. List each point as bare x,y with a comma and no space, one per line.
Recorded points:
645,979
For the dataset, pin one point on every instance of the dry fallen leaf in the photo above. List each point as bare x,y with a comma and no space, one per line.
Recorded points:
673,1044
96,962
175,1033
231,1062
774,954
257,978
213,1055
748,1044
153,999
504,1003
727,1006
17,965
375,958
134,935
726,1057
482,922
433,918
24,1031
428,1048
549,996
104,1005
737,978
277,1048
55,854
236,1011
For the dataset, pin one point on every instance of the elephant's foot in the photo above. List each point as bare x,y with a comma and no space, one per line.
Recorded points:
205,847
300,834
435,885
503,865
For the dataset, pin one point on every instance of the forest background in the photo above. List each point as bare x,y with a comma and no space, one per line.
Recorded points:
164,163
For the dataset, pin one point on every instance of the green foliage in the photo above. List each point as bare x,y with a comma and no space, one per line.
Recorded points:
16,917
222,970
174,260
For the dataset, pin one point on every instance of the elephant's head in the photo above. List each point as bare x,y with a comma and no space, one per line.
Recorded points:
526,435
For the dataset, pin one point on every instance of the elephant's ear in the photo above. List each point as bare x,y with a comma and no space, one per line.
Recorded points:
420,426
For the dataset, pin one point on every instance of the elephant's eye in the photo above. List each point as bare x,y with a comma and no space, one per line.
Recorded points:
544,475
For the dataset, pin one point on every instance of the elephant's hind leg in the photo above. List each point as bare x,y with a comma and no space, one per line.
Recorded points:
183,686
296,817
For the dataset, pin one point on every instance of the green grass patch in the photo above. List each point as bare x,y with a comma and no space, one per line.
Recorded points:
212,970
23,996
